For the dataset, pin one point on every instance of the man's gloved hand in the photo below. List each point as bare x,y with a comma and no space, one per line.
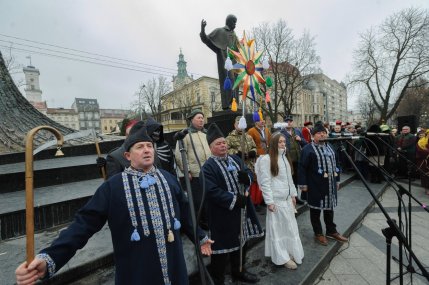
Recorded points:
251,154
101,162
243,178
240,202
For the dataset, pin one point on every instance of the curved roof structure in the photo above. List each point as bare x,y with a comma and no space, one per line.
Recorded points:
18,116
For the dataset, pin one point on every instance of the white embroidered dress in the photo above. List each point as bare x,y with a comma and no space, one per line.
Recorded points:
282,241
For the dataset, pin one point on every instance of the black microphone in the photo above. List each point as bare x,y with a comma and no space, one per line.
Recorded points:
180,135
346,138
369,134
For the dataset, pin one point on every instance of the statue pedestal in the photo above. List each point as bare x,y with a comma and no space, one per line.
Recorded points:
225,120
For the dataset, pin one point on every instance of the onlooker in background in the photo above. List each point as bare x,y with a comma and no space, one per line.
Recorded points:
164,157
197,152
233,141
294,143
375,151
340,123
319,180
360,155
115,161
389,159
282,242
306,131
422,156
350,129
406,145
261,136
327,127
336,145
420,134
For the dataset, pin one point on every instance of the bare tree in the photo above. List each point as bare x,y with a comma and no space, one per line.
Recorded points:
290,60
367,110
392,57
13,67
149,97
186,100
416,102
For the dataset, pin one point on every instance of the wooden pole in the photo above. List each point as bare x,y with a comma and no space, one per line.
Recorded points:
29,193
97,147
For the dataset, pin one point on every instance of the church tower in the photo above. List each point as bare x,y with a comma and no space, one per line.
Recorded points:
32,86
182,77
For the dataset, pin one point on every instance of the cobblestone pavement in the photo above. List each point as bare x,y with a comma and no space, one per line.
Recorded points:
363,259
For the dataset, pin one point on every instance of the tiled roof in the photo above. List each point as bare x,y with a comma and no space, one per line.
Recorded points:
18,116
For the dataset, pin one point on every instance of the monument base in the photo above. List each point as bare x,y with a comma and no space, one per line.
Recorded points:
225,120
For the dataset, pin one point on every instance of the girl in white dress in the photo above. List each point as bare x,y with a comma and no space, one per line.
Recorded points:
282,241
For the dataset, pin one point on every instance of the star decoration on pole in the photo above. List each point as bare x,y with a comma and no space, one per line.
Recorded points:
248,67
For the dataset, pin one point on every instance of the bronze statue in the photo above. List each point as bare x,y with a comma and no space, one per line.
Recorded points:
218,41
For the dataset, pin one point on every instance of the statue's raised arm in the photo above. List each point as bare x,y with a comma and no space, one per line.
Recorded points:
218,41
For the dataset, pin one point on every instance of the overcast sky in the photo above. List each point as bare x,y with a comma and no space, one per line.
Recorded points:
153,32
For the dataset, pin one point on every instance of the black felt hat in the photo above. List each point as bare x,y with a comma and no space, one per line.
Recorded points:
213,133
318,128
138,133
288,118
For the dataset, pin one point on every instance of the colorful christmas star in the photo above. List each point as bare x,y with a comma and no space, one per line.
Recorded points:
248,67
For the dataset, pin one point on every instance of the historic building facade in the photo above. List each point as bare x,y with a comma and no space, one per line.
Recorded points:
309,107
202,93
84,113
334,96
88,112
111,118
188,94
66,117
308,103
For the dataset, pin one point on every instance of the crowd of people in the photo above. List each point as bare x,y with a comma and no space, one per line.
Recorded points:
145,199
381,150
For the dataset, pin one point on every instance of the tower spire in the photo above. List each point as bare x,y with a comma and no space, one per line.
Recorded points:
182,76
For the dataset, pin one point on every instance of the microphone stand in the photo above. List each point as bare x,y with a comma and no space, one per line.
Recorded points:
391,231
201,267
410,167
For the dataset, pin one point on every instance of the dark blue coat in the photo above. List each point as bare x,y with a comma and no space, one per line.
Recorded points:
137,262
223,215
321,180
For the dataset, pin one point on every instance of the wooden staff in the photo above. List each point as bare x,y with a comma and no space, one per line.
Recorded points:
242,191
97,147
29,194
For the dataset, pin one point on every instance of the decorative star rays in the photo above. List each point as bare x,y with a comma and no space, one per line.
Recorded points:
248,67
